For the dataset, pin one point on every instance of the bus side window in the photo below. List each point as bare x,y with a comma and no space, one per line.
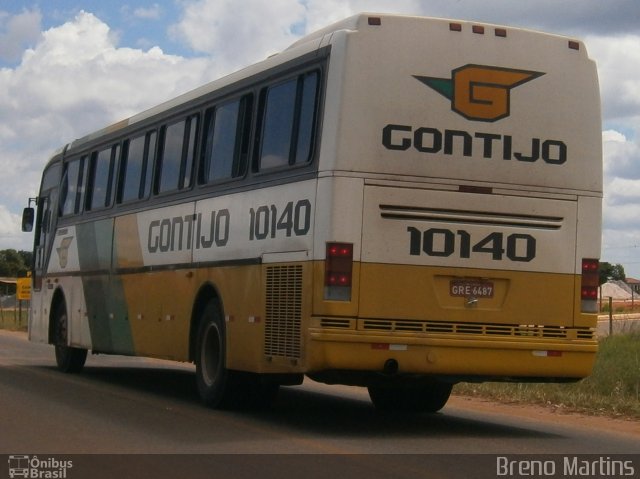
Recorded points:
132,169
308,101
137,166
176,160
71,188
225,142
101,175
171,157
149,161
186,173
288,122
277,129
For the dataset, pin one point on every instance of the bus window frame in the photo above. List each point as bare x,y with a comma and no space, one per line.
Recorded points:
298,76
187,119
149,154
242,146
116,151
81,179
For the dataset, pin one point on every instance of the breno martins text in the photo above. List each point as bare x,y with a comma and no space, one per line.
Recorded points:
570,466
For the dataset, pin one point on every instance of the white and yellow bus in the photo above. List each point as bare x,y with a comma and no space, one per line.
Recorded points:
393,202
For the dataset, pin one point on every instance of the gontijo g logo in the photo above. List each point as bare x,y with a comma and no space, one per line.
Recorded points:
480,92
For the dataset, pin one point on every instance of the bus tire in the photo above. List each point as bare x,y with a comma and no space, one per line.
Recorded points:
425,398
214,380
219,387
68,359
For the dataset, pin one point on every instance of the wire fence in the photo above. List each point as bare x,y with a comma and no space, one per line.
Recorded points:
14,314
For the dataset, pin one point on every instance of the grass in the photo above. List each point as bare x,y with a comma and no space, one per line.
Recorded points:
613,389
9,320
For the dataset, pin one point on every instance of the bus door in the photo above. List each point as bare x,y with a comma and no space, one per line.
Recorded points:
45,227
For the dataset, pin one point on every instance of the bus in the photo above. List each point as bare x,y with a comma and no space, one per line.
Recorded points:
393,202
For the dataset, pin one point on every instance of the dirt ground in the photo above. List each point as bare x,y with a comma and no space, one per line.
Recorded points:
534,412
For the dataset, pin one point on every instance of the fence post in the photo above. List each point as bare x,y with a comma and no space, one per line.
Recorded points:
610,316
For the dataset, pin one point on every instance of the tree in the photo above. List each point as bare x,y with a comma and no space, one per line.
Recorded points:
13,264
610,272
27,258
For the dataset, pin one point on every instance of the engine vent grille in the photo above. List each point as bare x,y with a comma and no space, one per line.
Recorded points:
336,323
283,311
435,327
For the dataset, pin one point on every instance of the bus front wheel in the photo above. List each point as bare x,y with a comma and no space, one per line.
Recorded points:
427,398
68,359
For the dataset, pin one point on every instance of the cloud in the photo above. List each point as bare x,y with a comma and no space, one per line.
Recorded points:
76,80
233,40
321,13
618,61
569,17
621,155
154,12
10,232
18,32
621,204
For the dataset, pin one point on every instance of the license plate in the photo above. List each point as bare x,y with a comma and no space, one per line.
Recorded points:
466,288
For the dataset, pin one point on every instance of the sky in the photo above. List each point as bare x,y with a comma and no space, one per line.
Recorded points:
68,67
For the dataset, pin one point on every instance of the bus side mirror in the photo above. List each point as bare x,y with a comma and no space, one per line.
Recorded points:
28,214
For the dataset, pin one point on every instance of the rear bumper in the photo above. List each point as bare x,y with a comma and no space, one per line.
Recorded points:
454,358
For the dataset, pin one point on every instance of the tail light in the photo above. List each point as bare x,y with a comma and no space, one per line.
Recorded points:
589,285
338,271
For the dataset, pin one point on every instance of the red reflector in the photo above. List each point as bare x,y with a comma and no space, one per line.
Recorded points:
375,21
574,45
547,354
455,27
478,29
380,346
501,32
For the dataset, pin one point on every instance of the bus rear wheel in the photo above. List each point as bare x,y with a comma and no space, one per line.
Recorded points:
218,386
423,398
212,376
68,359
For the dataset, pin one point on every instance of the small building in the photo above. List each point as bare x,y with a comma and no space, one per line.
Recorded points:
634,284
8,286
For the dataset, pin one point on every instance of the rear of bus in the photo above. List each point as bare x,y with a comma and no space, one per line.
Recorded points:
459,206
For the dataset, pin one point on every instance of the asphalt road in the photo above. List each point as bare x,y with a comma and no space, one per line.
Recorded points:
139,406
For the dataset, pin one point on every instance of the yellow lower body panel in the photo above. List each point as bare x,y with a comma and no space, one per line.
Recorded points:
417,292
462,358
